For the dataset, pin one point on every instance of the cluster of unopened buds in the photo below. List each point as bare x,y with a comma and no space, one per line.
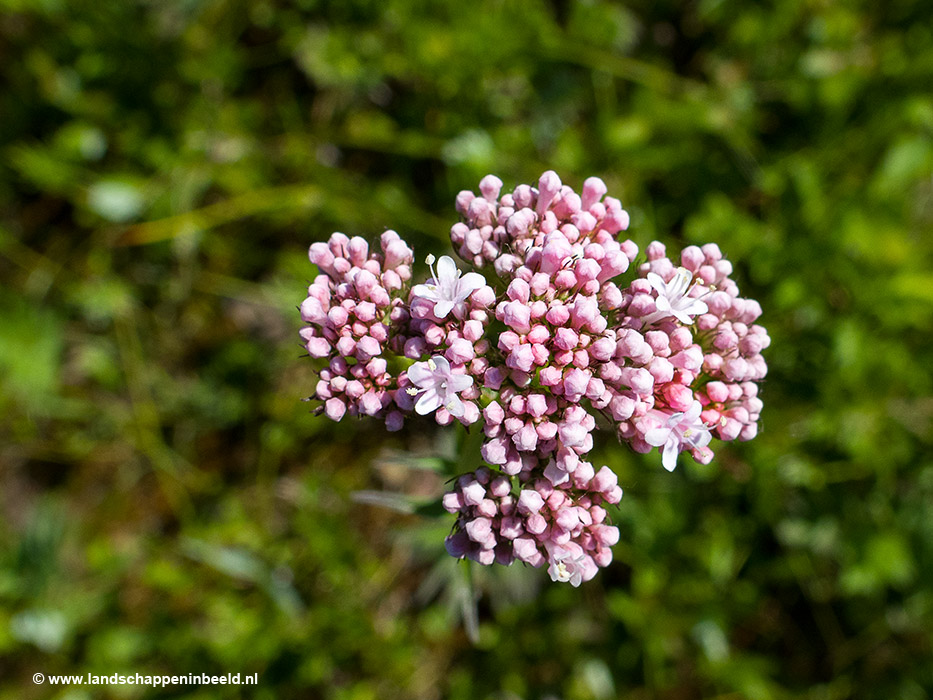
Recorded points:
564,333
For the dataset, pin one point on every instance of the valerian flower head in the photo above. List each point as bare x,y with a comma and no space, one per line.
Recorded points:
449,291
674,298
683,428
669,356
439,385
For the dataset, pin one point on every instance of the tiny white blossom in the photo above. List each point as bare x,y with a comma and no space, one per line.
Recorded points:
674,298
449,291
566,566
684,428
439,384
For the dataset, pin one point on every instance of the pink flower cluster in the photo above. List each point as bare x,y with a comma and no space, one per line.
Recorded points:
536,523
352,308
554,344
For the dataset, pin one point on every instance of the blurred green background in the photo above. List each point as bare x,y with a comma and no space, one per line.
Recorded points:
170,506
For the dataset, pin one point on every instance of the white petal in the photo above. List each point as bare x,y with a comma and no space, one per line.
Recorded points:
692,413
454,405
655,281
694,307
425,291
443,307
421,375
443,366
459,382
662,303
429,401
680,282
669,457
657,436
446,270
701,438
469,283
681,316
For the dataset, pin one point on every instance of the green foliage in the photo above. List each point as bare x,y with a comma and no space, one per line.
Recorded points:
169,506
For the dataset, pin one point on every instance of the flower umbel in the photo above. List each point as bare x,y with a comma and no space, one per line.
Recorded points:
450,290
674,298
439,384
670,356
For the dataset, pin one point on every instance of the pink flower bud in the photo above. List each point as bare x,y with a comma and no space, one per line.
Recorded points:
678,396
526,550
370,403
493,378
487,508
717,391
536,524
490,186
735,369
521,358
530,501
511,527
335,408
346,346
546,430
518,291
548,186
526,439
312,311
540,283
566,338
662,370
478,529
367,347
729,429
706,274
321,255
639,379
358,250
337,316
472,330
712,253
473,493
494,451
575,383
606,535
460,351
558,314
712,363
538,334
483,297
540,354
517,316
550,376
593,190
452,501
565,279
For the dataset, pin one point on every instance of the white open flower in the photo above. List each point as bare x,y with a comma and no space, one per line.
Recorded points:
439,385
683,430
674,298
449,291
566,565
